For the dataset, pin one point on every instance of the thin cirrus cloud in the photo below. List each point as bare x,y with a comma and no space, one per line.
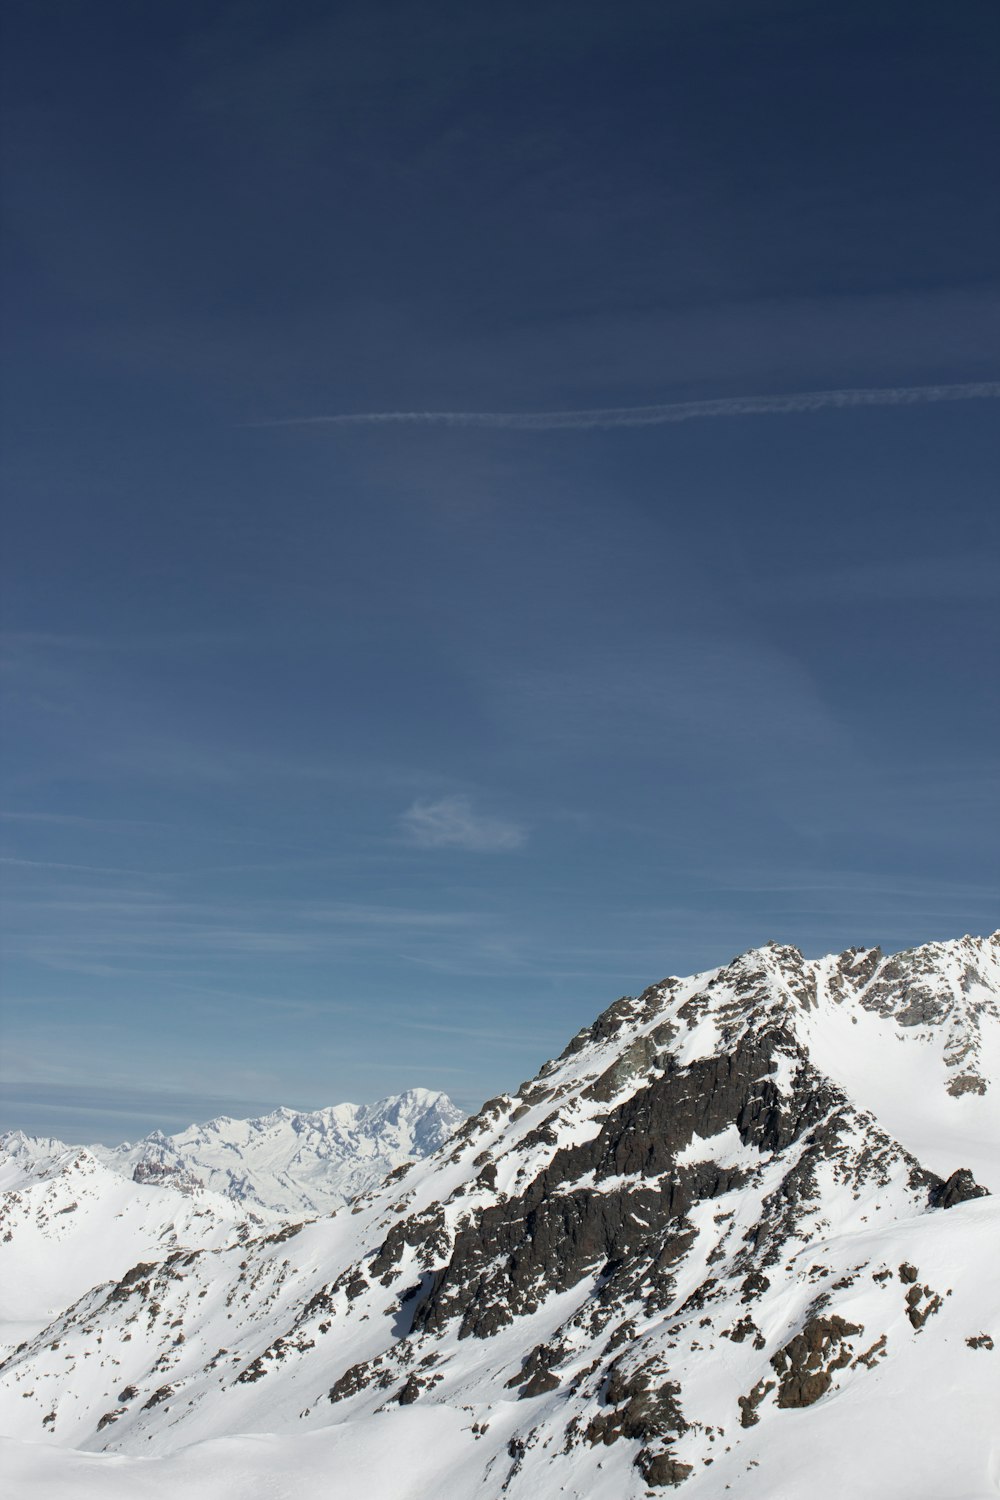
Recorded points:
453,823
658,415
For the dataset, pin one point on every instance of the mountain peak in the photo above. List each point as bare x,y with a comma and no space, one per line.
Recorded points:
742,1223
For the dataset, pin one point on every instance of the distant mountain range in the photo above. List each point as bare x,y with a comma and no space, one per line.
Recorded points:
72,1216
739,1237
286,1162
293,1161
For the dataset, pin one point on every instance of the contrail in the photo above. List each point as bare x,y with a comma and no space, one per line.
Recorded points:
652,416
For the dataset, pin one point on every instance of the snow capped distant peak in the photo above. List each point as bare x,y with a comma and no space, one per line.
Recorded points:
293,1162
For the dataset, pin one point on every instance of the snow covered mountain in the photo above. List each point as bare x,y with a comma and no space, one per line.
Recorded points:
72,1217
737,1237
67,1223
293,1162
288,1162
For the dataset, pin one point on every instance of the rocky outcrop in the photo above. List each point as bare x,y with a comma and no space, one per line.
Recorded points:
556,1231
805,1366
642,1405
958,1188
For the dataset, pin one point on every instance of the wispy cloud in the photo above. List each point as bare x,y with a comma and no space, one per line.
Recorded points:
653,416
72,820
453,823
52,864
129,643
107,931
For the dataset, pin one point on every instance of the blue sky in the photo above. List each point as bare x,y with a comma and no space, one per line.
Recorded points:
344,758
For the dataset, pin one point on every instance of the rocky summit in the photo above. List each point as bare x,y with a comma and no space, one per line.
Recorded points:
739,1237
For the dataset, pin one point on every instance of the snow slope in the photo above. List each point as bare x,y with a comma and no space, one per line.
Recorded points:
68,1223
74,1217
728,1241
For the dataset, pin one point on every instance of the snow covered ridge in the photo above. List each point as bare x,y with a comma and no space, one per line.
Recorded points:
285,1163
739,1236
68,1223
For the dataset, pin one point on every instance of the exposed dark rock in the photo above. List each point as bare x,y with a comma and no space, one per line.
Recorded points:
424,1231
871,1356
639,1408
855,968
543,1134
136,1280
319,1302
661,1469
748,1404
806,1364
754,1285
553,1233
642,1409
958,1188
540,1383
614,1219
353,1380
746,1328
918,1315
607,1025
901,990
535,1375
161,1172
286,1232
966,1083
158,1397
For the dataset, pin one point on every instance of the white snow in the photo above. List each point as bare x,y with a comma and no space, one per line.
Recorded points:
212,1367
726,1149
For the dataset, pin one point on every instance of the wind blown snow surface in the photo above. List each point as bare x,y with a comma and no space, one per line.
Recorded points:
738,1238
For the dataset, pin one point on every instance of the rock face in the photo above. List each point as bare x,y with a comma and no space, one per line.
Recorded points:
959,1188
733,1202
635,1188
806,1365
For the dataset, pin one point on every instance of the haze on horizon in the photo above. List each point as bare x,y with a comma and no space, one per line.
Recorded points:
347,757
